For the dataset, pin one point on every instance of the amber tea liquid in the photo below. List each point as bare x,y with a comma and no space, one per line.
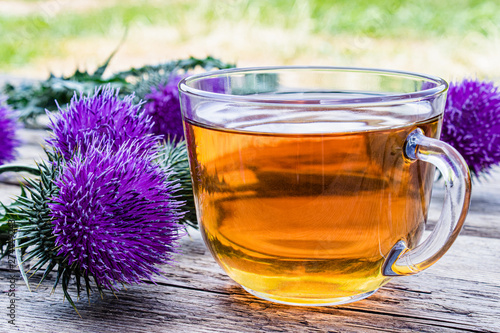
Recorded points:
308,218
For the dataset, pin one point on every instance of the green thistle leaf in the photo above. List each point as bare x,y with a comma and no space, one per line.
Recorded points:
175,159
154,75
5,236
8,217
32,99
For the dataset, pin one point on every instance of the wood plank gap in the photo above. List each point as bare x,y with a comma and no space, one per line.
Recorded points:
166,284
373,328
420,320
408,290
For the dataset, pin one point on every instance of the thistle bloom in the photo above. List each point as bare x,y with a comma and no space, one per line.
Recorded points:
116,216
8,141
164,108
104,115
472,123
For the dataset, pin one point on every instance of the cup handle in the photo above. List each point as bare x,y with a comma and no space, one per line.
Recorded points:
403,261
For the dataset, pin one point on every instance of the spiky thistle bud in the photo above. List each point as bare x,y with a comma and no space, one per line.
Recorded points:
115,215
162,105
109,216
102,115
106,117
472,123
8,127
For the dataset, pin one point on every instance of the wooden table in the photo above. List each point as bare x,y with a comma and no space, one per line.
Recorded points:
459,293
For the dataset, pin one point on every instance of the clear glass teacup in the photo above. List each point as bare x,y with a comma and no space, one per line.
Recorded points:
312,184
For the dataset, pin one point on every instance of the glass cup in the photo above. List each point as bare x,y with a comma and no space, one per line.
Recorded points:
312,184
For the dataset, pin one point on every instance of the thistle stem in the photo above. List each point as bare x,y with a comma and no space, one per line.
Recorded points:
19,168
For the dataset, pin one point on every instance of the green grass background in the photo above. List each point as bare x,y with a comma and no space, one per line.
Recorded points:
45,31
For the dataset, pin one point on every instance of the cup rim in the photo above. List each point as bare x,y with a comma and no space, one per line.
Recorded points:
401,98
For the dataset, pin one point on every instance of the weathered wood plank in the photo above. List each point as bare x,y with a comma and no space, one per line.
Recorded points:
460,293
31,137
484,214
171,309
30,152
8,192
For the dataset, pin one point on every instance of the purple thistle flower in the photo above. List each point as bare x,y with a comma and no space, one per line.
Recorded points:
8,127
164,108
116,216
472,123
104,115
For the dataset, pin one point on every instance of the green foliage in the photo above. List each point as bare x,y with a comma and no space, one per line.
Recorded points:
175,159
34,98
7,219
148,76
34,238
6,245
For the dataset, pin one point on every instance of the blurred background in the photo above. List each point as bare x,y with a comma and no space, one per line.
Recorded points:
448,38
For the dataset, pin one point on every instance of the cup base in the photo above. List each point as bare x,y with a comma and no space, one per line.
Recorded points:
310,301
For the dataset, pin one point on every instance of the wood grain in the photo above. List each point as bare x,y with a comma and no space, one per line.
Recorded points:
461,293
197,296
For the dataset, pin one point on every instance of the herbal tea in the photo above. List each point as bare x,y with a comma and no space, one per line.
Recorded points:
312,184
308,218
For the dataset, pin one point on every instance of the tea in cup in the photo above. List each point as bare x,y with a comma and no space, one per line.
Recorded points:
312,184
